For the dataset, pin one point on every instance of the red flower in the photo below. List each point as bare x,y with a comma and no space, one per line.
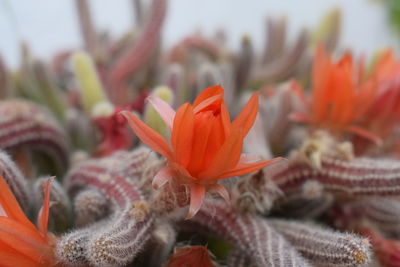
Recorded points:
21,243
205,145
341,94
194,256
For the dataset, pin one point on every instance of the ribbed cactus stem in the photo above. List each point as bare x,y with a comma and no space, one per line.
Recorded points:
174,79
238,259
323,246
161,244
15,181
328,30
130,226
275,38
298,206
383,213
208,74
50,92
244,63
139,53
90,205
123,238
25,124
88,31
5,88
249,233
287,63
358,177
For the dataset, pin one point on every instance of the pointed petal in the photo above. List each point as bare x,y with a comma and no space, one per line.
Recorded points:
365,133
197,194
148,135
242,169
248,158
208,102
246,118
221,191
226,121
44,214
182,134
295,87
23,239
10,258
10,205
164,109
162,177
207,93
202,128
227,157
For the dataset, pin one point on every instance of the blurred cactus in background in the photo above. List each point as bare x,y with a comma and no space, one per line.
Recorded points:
214,189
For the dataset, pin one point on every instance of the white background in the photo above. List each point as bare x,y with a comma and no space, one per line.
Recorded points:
50,25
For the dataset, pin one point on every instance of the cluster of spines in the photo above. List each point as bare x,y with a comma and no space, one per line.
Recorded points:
125,231
25,124
251,234
323,246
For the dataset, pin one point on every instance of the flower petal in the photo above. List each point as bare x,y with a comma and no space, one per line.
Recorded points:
248,115
10,258
197,194
207,103
207,93
221,191
10,205
162,177
44,212
164,109
226,121
202,127
227,156
148,135
182,134
242,169
23,239
365,134
248,158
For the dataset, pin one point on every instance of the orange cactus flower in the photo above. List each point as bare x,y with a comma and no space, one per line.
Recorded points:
384,113
205,145
341,94
21,243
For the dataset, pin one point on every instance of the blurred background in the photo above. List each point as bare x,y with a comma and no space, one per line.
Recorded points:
49,26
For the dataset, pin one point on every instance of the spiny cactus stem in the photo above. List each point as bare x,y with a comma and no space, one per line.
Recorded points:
361,177
323,246
88,32
137,55
249,233
115,188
